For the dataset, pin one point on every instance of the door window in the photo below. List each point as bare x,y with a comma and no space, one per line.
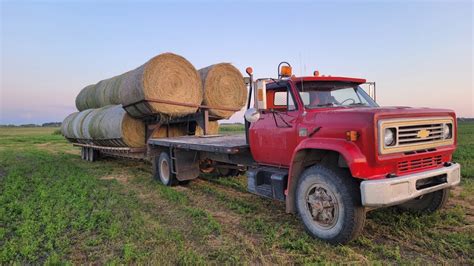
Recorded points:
283,101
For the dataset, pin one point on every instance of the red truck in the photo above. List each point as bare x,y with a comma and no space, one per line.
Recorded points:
323,146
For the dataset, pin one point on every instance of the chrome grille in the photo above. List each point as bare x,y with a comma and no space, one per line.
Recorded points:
410,134
415,134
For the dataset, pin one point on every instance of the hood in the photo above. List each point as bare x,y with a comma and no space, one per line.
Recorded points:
388,112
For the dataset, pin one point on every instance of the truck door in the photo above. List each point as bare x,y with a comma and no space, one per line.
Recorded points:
273,136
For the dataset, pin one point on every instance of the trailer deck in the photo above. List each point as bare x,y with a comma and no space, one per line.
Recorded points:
227,144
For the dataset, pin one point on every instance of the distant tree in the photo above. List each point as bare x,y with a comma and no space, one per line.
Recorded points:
51,124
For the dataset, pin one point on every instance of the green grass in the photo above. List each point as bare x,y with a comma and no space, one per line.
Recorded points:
228,128
55,208
465,151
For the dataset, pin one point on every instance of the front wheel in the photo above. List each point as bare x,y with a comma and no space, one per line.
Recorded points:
428,203
329,205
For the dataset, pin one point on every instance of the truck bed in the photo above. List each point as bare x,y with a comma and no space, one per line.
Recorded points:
229,144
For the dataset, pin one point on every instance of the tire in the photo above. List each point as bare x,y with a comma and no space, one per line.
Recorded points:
91,155
86,154
162,170
226,172
336,223
83,153
428,203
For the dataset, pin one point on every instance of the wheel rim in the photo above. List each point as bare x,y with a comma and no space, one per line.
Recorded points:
165,171
322,205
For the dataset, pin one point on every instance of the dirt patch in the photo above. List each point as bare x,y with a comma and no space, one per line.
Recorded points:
121,178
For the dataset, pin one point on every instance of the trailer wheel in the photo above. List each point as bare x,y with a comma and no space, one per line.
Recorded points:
91,155
83,153
162,170
329,205
428,203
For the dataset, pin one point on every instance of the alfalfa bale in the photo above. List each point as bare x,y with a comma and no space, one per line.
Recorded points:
112,126
223,86
66,126
166,77
170,131
212,129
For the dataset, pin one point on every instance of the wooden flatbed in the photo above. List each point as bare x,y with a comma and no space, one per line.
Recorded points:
225,144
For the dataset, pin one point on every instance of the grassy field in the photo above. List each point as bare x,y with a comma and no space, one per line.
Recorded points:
55,208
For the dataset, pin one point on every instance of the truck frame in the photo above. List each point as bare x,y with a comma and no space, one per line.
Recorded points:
330,165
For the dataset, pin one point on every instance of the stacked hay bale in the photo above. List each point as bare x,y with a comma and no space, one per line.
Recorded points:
111,111
106,126
166,77
224,87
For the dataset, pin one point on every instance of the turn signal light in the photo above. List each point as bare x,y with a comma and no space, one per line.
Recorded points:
352,135
285,71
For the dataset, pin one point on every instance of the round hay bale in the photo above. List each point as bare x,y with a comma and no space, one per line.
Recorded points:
175,130
66,126
112,126
213,129
223,86
106,126
166,77
77,124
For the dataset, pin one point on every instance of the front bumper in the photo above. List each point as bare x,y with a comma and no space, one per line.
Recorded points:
392,191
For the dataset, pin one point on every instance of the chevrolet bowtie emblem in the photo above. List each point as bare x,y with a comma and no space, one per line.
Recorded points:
423,133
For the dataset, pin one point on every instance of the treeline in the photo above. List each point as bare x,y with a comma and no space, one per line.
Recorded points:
465,119
49,124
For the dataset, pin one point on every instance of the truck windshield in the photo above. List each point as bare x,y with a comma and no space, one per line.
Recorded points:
331,94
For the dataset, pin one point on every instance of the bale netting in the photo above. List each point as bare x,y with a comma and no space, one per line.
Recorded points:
149,89
224,87
107,126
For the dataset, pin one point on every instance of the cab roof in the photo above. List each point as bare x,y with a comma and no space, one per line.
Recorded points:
328,78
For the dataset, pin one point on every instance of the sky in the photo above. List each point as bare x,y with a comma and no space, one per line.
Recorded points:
419,53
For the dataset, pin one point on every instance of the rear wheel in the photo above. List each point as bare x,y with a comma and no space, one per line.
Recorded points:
226,172
329,205
92,155
162,170
428,203
83,153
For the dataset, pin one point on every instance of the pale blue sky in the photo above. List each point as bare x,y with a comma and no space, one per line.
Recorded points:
419,53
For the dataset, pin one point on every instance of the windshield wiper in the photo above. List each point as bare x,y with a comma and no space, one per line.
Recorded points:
325,104
358,104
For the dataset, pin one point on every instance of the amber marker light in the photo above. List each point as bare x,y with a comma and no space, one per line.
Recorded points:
352,135
249,71
285,71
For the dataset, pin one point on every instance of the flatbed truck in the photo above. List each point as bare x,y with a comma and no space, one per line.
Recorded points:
320,144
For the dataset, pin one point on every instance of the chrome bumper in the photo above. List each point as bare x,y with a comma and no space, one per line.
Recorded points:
392,191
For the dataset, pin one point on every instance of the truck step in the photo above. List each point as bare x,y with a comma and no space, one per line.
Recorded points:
267,182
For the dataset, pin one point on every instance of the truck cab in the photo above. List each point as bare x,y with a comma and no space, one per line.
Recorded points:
326,148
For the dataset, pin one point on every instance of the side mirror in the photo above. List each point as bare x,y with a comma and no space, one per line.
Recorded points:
252,115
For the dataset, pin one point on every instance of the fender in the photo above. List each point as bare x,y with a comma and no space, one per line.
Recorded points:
351,153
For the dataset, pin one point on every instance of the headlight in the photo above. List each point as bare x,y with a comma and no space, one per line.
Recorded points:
447,131
389,137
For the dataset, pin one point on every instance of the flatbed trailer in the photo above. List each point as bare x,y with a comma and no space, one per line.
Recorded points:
188,156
